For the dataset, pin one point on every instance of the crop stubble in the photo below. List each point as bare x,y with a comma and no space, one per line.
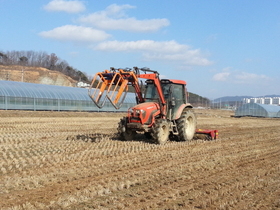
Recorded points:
72,160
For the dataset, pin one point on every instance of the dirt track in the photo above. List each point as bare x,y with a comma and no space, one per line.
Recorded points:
66,160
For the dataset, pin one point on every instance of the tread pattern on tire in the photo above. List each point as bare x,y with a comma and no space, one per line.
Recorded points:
157,134
183,136
124,135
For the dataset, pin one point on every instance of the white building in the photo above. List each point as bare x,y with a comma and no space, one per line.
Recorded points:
253,100
260,100
82,85
246,100
263,100
276,100
267,100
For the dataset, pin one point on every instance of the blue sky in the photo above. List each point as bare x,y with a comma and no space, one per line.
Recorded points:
220,47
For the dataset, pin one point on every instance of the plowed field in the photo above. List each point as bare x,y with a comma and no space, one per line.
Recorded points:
68,160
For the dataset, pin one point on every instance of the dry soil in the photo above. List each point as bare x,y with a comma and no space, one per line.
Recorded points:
74,160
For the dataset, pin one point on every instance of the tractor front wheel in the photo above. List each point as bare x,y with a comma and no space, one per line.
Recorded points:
123,132
161,131
186,125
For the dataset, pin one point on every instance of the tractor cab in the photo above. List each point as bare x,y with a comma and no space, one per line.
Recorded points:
174,92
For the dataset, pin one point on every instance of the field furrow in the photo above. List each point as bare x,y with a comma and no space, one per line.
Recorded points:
76,161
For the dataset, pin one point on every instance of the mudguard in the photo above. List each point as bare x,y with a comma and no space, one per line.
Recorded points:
180,110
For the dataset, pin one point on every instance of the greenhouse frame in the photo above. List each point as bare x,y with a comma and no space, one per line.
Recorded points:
258,110
30,96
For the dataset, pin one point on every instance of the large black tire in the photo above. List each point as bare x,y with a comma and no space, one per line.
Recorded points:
186,125
148,135
160,131
123,132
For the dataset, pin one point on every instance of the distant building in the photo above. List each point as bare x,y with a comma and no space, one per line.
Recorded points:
276,100
260,101
267,100
83,85
263,100
246,100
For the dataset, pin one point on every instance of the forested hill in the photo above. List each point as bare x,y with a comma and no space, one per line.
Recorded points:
44,60
44,68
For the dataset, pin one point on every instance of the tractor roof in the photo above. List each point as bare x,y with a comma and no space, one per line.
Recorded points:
175,81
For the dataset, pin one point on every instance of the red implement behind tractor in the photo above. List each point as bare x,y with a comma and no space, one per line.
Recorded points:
206,134
162,111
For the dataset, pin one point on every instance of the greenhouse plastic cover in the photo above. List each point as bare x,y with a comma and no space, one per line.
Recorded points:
258,110
31,90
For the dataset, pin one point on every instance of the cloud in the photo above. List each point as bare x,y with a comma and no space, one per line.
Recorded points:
245,76
223,76
65,6
114,18
190,57
240,77
153,50
117,10
141,45
75,33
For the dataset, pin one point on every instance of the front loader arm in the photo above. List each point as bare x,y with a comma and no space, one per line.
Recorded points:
155,77
113,85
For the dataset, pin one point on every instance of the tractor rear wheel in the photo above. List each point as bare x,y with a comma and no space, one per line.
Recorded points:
161,131
123,132
186,125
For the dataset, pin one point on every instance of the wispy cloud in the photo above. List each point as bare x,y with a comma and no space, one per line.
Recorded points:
76,34
188,57
245,77
222,76
235,76
114,18
65,6
153,50
142,45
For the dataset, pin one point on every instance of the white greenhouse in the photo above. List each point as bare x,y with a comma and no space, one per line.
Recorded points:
258,110
29,96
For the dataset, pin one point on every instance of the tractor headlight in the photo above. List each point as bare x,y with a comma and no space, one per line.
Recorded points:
138,112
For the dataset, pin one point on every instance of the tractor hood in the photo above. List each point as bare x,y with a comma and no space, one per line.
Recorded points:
147,106
143,113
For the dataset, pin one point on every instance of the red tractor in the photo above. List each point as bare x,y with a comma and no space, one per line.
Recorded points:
162,111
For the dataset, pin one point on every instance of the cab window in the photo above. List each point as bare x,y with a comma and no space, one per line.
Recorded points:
151,93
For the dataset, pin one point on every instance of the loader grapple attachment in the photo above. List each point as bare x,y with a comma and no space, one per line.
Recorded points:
111,85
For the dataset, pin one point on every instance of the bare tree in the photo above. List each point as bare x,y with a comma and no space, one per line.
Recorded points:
41,59
52,60
23,61
3,59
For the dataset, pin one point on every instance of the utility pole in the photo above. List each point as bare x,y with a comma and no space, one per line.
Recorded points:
22,74
7,76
